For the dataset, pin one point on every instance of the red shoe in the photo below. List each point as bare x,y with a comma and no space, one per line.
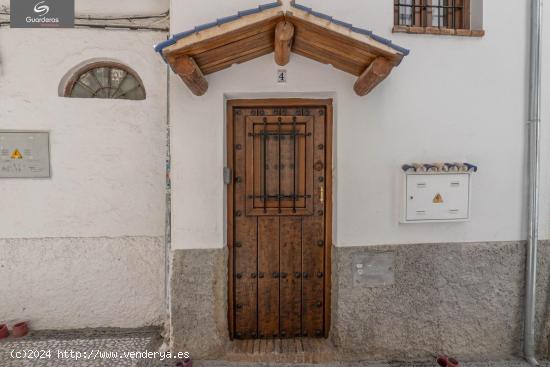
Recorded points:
20,329
4,331
445,361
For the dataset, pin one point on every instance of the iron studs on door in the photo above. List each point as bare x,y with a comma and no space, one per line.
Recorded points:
296,166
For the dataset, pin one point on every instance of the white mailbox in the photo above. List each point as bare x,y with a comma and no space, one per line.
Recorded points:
436,197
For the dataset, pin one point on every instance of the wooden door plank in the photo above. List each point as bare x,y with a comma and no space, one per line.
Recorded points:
313,236
275,235
328,219
268,286
230,223
291,280
245,249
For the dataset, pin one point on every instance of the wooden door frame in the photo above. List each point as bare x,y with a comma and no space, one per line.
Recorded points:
280,102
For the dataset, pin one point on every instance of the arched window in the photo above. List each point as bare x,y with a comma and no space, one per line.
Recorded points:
102,79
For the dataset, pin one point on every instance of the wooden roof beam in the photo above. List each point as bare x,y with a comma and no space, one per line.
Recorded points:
191,74
284,36
373,75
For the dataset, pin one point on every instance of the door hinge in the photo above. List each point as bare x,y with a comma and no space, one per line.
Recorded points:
227,175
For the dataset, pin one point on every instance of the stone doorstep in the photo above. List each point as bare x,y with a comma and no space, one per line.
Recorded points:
291,350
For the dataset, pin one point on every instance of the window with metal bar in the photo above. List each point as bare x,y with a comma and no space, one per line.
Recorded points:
441,14
103,79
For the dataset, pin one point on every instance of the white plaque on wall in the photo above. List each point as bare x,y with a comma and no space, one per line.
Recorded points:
24,154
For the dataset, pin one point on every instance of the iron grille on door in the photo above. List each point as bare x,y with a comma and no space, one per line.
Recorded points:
278,150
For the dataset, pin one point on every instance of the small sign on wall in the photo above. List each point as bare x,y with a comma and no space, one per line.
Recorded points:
24,154
281,76
375,269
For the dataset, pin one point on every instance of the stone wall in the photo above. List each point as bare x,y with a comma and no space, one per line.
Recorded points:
462,299
198,302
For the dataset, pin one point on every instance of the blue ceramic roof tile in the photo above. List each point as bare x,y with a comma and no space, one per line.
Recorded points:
202,27
246,12
228,19
365,32
343,24
321,15
301,7
380,39
160,46
269,6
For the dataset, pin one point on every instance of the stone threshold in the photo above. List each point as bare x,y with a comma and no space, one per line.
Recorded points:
289,350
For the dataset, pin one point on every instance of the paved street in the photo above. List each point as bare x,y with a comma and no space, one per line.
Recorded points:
108,348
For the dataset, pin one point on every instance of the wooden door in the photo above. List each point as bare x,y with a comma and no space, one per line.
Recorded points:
279,218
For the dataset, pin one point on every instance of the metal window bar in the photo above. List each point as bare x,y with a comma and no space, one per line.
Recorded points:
414,13
279,164
278,135
264,139
294,137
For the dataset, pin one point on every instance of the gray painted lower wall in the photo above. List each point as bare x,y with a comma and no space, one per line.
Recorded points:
462,299
198,302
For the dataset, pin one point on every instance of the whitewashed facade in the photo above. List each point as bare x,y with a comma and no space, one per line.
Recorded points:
86,247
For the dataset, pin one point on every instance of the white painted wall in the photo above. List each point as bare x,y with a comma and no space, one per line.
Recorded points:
84,248
73,283
119,7
107,155
452,99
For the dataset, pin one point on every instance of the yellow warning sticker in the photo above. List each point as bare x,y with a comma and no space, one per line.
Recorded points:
16,154
438,199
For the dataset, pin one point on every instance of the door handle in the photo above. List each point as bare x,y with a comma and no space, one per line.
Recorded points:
321,194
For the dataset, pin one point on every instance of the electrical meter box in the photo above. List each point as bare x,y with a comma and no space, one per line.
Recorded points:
436,197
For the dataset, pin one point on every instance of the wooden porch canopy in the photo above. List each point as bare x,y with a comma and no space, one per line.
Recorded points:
256,32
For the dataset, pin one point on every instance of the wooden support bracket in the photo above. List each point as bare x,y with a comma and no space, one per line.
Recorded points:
284,34
191,74
373,75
